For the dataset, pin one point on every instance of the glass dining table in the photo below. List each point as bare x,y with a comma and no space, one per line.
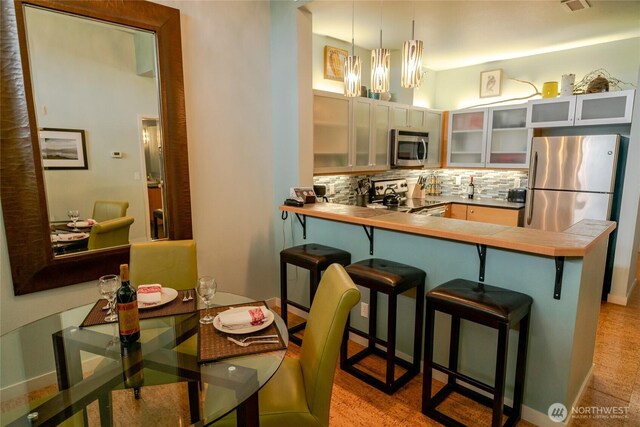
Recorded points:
54,372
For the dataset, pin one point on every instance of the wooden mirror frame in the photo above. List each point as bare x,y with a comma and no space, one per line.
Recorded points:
33,265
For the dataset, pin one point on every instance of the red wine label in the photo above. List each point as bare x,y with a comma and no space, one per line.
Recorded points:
257,316
128,318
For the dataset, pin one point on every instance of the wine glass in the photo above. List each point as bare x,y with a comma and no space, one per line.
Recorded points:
74,215
206,288
108,286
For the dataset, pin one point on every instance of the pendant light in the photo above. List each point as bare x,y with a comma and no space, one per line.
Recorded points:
412,58
352,69
380,59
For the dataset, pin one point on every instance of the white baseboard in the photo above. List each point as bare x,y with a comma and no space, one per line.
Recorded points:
617,299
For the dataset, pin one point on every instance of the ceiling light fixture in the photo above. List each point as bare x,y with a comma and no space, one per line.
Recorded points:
412,58
352,69
380,64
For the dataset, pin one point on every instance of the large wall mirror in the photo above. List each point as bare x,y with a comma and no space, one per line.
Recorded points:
95,114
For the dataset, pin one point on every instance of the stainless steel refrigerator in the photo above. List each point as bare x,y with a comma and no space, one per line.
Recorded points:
573,178
570,178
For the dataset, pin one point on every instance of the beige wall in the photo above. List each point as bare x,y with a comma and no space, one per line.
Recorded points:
227,77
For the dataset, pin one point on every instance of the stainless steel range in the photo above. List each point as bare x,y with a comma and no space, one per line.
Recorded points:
392,194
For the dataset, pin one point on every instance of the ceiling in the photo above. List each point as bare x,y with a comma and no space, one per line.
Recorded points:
462,33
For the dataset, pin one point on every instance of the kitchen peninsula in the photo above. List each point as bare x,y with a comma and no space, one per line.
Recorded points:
560,358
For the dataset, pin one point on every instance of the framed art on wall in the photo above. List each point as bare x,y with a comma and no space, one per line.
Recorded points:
334,63
490,83
63,148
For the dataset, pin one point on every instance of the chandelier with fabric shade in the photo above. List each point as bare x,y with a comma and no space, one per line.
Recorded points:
352,66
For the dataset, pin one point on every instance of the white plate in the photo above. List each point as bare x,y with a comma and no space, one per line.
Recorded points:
68,237
80,224
269,317
168,295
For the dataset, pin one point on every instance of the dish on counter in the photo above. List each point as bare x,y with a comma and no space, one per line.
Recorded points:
268,320
168,295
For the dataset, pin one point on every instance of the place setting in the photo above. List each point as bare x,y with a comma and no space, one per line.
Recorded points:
154,300
228,331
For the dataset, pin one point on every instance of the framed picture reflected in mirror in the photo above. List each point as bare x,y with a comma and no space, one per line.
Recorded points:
63,148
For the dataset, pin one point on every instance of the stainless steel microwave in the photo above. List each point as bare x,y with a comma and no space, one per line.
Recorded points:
408,147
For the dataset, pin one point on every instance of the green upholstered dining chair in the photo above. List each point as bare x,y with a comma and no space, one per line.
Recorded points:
299,394
109,209
109,233
171,263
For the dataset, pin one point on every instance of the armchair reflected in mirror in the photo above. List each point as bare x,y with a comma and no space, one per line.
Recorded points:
33,197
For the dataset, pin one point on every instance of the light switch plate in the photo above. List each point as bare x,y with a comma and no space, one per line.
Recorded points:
364,310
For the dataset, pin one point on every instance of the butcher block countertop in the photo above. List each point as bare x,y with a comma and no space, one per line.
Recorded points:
576,241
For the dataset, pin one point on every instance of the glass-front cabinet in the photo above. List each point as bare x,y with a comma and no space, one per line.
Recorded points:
352,134
467,138
494,137
582,110
349,134
331,137
380,129
604,108
509,140
362,131
433,125
551,112
371,134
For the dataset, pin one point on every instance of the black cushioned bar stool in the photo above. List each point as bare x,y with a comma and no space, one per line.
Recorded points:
487,305
315,258
390,278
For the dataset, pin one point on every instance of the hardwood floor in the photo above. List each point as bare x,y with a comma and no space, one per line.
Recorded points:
615,383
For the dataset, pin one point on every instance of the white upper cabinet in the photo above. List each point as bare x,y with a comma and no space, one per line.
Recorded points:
331,132
494,137
349,134
552,112
604,108
467,138
352,134
508,139
581,110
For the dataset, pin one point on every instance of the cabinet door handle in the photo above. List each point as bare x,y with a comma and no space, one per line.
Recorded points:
471,211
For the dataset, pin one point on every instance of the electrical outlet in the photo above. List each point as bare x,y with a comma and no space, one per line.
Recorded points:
364,310
516,182
458,180
331,189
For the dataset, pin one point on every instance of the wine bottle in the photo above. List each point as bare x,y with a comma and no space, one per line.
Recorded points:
128,321
132,367
470,189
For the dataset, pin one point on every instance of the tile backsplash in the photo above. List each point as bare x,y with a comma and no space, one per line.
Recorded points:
489,183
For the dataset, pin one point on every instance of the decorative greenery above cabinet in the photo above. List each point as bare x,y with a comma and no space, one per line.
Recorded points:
352,134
